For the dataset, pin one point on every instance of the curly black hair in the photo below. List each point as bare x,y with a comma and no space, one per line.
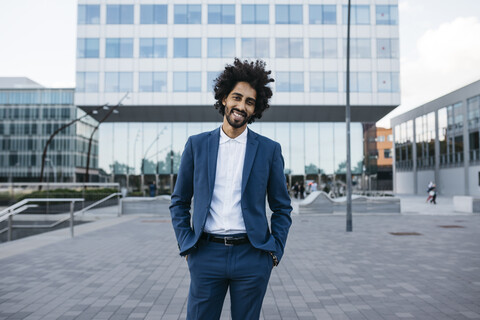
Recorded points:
244,71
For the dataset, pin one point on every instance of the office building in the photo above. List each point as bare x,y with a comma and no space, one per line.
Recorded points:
29,114
439,142
166,54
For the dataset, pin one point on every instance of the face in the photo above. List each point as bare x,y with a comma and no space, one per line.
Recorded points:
240,105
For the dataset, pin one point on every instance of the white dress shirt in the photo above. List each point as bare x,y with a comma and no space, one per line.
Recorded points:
225,209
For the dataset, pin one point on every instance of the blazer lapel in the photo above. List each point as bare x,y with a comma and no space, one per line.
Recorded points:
213,140
250,152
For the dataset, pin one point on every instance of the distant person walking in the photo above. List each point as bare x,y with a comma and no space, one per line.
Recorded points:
432,193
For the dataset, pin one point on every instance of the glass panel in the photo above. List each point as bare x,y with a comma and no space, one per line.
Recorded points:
214,14
194,47
180,14
228,47
211,76
111,82
296,48
179,81
331,82
194,14
91,81
180,47
248,14
281,14
296,81
295,14
153,14
145,81
214,47
125,81
194,82
80,82
261,14
316,82
282,82
112,48
248,48
126,48
159,81
282,47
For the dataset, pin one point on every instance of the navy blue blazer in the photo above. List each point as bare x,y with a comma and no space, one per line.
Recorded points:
263,177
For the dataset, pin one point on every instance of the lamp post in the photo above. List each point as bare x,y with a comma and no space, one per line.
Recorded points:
112,110
144,158
94,111
171,171
347,121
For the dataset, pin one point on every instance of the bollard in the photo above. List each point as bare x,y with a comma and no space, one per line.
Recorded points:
71,218
120,206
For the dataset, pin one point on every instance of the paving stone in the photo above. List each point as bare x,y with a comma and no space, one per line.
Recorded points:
132,270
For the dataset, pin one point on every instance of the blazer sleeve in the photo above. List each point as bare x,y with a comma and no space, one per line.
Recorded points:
182,198
279,202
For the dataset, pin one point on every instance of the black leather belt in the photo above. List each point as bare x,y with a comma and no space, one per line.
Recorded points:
226,240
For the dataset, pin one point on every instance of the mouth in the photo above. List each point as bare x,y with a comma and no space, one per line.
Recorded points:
238,115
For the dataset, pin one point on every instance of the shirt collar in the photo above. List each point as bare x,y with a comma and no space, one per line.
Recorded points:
242,138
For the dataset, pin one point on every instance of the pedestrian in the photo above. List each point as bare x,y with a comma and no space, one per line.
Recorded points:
152,189
296,190
314,186
433,192
229,172
302,190
430,191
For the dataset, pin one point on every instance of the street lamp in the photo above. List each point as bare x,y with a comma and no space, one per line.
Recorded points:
112,110
142,182
94,111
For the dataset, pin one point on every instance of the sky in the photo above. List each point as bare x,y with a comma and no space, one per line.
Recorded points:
439,45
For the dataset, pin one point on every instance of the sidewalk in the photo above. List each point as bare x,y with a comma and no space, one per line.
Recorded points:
129,268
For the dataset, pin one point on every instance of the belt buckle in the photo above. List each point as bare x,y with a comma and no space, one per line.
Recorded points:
226,239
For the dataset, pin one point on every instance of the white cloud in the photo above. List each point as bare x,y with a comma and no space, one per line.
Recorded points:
448,57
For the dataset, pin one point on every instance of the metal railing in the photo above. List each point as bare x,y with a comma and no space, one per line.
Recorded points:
21,206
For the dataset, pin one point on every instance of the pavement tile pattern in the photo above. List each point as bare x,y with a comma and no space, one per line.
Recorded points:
132,270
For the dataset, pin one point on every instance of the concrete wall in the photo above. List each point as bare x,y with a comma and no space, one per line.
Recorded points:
473,173
404,182
423,178
452,181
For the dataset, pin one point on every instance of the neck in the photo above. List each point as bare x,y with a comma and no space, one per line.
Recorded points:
232,132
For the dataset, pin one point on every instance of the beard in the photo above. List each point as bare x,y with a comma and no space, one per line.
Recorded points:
236,123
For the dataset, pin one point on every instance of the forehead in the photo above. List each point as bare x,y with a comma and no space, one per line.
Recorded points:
245,89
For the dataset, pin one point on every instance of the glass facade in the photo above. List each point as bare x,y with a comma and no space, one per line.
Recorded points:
323,48
359,14
221,47
153,14
119,14
255,14
322,14
473,105
221,14
289,48
187,14
386,14
288,14
307,148
88,14
29,117
187,47
153,47
255,47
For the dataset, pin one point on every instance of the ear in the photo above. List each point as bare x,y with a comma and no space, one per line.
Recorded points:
224,101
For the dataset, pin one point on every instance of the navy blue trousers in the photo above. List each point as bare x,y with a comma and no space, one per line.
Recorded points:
214,268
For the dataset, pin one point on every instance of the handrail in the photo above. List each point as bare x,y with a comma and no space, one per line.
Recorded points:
9,212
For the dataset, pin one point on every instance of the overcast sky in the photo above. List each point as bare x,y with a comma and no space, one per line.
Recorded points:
439,45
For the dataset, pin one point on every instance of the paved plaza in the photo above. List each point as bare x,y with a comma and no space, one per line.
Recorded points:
129,268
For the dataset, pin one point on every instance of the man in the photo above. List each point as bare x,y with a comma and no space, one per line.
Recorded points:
230,171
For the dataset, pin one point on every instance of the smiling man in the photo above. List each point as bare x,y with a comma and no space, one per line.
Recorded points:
229,172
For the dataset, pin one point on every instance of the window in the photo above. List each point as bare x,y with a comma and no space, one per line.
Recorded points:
359,48
323,82
119,14
390,137
153,14
221,47
187,82
119,48
118,81
87,82
188,14
388,82
381,139
152,81
153,47
322,14
289,48
88,14
323,48
360,82
255,47
473,105
387,14
387,48
387,153
187,47
221,14
289,82
288,14
359,14
211,76
87,47
255,14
